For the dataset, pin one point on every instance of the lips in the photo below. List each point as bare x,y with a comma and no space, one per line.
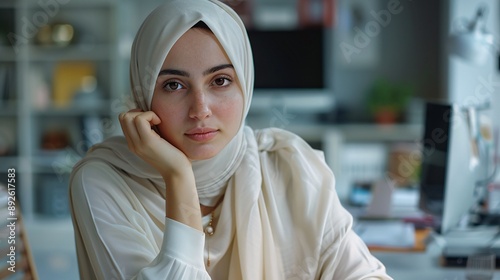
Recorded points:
202,134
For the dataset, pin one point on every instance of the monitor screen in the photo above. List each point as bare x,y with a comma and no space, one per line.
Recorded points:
435,158
288,59
447,181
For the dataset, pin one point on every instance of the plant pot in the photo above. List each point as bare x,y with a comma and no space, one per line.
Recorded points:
386,116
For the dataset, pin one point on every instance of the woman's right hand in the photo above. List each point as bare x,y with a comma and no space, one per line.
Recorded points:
182,203
150,146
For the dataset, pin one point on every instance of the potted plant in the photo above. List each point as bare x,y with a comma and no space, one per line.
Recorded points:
387,101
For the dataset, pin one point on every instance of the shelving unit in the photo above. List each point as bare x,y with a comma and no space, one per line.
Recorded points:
42,131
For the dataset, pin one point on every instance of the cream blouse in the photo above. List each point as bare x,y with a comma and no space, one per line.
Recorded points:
121,231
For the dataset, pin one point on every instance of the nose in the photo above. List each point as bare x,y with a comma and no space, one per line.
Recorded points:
200,108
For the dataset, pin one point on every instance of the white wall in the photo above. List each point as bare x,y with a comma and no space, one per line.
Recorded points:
466,81
405,49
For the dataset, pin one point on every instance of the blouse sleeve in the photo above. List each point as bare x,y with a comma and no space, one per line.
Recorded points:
176,259
116,242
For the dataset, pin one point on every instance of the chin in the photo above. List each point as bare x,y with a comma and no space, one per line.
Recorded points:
202,155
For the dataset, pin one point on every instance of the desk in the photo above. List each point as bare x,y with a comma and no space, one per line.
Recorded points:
420,265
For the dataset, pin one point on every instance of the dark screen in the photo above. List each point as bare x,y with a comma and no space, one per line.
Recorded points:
434,157
288,58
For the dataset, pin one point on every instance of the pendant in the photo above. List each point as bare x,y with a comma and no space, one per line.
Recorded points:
209,230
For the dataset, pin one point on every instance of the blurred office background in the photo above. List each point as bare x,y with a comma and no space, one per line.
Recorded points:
364,72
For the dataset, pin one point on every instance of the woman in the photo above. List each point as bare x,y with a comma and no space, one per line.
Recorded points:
190,192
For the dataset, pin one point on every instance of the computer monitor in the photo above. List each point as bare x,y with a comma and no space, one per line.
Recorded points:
293,68
446,182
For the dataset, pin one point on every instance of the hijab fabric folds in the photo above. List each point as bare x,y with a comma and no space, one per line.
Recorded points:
235,172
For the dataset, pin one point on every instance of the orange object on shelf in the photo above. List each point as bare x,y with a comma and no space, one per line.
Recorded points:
420,243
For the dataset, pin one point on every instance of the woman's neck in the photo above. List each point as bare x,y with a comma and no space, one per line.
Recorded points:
205,210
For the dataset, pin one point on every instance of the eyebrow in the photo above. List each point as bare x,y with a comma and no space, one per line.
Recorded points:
173,72
217,68
186,74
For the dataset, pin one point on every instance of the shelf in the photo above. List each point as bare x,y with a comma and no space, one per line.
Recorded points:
77,52
55,162
30,81
313,131
32,66
381,133
75,111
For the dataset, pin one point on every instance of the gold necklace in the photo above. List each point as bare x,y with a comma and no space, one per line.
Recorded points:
209,230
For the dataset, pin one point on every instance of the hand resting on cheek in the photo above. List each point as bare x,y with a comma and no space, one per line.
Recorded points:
182,198
144,141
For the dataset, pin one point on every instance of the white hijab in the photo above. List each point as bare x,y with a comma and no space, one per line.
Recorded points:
158,33
244,228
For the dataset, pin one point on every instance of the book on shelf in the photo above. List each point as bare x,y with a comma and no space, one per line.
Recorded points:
7,82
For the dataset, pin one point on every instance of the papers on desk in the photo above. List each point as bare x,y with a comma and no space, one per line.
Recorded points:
391,234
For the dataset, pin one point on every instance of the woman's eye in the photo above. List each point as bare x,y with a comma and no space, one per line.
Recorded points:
171,86
222,81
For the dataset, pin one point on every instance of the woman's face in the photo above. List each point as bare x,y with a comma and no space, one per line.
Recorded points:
197,96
